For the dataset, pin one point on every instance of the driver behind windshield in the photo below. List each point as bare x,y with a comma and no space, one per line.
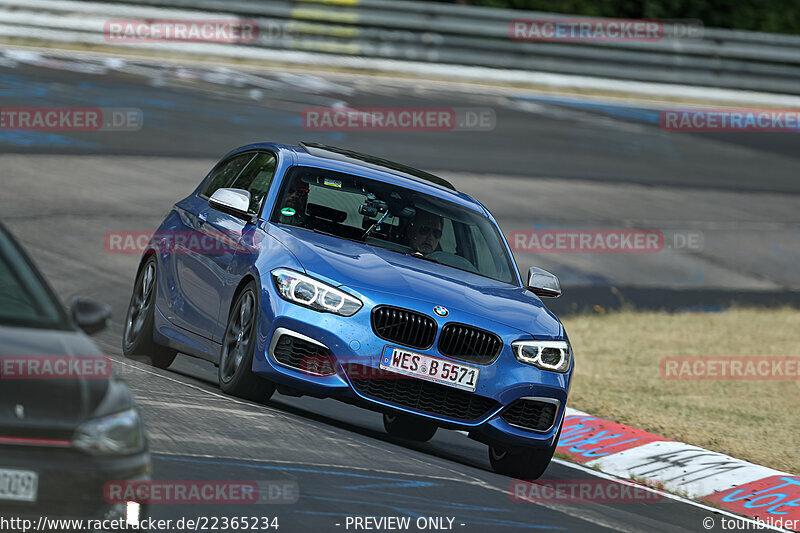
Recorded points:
425,232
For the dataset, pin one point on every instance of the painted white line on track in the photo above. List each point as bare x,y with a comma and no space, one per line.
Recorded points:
174,405
579,514
569,510
319,465
206,391
234,400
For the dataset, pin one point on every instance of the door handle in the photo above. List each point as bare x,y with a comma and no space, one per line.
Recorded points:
202,218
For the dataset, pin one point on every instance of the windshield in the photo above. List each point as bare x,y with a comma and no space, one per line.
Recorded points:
394,218
24,300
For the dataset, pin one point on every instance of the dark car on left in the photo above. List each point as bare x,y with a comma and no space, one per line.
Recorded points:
64,434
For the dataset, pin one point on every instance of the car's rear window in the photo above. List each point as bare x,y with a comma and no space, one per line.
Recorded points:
395,218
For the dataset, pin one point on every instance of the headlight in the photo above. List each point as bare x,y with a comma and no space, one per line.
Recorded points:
547,355
309,292
117,434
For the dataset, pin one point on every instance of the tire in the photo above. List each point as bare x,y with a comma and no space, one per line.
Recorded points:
528,464
238,347
137,339
409,427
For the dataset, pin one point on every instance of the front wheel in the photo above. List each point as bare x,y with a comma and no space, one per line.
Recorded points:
409,427
526,464
137,340
238,345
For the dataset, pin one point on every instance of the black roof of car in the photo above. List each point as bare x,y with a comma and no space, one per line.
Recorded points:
350,156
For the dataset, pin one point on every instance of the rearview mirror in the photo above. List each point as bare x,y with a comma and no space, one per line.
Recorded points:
543,283
90,315
235,202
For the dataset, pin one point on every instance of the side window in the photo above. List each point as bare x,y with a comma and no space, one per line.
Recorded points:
225,174
256,179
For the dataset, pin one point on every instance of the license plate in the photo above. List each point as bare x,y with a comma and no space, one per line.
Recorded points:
18,485
430,368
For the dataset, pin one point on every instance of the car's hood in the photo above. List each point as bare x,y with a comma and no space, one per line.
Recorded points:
357,265
41,407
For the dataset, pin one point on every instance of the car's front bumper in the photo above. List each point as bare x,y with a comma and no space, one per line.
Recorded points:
353,344
71,484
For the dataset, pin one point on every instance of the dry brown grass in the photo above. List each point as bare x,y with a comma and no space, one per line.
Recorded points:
617,377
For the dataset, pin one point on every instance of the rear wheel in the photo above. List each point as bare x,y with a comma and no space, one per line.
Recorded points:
238,345
409,427
137,340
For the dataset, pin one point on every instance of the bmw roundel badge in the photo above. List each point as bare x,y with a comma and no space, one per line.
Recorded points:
441,311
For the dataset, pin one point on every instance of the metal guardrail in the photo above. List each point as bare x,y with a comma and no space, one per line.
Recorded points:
436,33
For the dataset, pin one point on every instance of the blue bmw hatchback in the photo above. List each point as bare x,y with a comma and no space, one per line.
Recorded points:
326,272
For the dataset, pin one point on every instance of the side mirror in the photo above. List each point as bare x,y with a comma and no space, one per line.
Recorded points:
235,202
90,315
543,283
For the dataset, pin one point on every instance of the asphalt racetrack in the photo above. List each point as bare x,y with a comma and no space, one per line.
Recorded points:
726,203
543,163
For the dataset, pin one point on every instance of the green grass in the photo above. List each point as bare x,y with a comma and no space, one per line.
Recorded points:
617,377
